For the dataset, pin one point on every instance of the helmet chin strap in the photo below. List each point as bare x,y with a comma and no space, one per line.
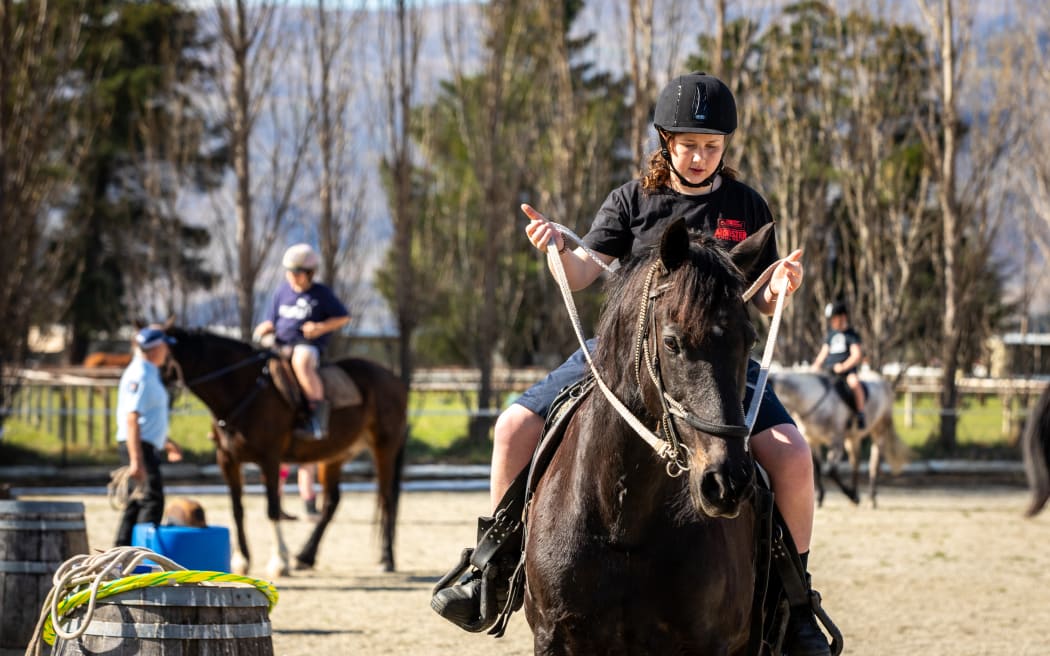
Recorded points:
666,152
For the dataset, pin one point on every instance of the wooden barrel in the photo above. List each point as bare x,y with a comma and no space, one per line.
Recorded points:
187,619
36,537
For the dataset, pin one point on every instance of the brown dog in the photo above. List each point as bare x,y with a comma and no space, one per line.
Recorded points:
181,511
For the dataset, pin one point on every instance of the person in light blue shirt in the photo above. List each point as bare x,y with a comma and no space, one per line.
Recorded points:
142,430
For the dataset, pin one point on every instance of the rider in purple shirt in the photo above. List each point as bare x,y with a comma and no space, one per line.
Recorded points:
302,316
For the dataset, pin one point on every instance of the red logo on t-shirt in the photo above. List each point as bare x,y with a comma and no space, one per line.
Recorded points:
730,230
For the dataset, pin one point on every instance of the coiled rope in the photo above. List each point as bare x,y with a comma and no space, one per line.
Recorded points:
87,579
119,490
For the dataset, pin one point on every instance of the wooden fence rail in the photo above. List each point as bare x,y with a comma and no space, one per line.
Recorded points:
52,397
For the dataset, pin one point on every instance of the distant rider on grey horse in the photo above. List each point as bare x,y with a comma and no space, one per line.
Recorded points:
841,353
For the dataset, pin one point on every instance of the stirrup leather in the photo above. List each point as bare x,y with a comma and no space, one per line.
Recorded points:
796,585
493,560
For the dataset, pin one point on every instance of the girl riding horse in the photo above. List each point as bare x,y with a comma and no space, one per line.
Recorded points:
687,178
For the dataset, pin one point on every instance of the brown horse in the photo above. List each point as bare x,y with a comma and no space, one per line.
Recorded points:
102,359
256,423
633,551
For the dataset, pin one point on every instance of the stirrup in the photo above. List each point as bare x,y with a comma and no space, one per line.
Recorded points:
470,602
825,620
477,600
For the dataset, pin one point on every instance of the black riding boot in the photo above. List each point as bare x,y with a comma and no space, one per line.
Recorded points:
316,426
311,509
803,636
475,601
319,419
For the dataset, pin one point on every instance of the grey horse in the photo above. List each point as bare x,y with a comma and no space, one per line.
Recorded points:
826,420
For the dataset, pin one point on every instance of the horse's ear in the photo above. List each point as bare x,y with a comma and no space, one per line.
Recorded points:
757,251
674,245
170,322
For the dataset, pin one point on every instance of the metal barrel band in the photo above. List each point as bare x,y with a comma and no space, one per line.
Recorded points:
175,631
28,567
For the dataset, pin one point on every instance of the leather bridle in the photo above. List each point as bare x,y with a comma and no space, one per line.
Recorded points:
645,331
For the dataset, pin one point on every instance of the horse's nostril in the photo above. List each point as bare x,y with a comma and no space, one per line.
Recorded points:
712,486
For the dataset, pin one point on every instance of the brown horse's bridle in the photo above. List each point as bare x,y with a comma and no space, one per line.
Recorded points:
644,329
260,382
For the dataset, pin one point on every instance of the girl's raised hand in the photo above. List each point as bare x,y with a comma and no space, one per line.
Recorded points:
788,274
540,231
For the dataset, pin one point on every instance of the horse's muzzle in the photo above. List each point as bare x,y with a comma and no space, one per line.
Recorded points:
721,491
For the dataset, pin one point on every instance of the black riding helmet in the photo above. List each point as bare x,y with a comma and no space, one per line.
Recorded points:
699,103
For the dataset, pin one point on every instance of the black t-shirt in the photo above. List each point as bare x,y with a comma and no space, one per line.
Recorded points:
632,220
839,343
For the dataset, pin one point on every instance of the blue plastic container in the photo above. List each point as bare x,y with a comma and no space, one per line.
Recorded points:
205,549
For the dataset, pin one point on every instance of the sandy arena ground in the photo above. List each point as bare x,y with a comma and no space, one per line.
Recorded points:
933,571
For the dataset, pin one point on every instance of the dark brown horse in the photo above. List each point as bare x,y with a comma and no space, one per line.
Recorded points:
630,551
256,422
1035,448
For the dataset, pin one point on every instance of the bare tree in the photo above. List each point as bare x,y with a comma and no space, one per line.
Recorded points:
259,116
640,56
1030,96
400,39
878,80
968,221
175,158
339,192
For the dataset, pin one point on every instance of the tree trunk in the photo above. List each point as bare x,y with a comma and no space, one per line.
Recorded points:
950,223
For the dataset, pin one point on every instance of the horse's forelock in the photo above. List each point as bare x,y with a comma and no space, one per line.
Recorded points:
695,295
702,291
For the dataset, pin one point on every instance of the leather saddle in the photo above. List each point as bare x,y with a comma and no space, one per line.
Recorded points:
340,390
838,383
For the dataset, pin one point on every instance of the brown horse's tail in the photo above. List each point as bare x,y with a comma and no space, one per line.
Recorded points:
387,500
1034,452
399,468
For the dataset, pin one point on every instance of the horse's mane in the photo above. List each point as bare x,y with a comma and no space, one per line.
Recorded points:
695,294
221,341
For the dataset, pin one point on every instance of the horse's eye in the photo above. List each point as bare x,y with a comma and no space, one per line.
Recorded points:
671,344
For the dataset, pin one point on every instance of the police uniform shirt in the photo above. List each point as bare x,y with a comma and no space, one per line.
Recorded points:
142,391
632,220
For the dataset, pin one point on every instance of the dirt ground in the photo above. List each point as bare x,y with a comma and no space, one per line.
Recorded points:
932,571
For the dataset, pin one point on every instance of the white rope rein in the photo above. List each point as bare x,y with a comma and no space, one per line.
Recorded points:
659,445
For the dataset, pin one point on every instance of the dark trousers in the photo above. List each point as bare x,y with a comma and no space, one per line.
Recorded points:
149,509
